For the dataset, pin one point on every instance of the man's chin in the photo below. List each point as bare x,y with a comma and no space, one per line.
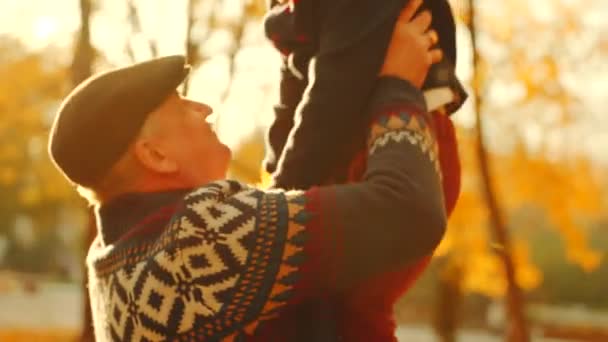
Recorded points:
226,156
228,153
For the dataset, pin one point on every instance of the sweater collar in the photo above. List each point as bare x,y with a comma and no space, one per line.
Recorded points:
116,217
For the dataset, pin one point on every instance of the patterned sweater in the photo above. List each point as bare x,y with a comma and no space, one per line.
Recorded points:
225,262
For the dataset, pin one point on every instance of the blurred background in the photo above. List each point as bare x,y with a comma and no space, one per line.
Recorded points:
525,249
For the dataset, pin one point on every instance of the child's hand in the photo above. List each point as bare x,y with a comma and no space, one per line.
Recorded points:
409,55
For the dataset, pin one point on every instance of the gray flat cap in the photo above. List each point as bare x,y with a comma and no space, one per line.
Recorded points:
99,119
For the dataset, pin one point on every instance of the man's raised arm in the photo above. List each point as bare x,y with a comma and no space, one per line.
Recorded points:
289,246
395,216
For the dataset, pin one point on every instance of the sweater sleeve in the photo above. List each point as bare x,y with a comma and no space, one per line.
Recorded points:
390,219
265,251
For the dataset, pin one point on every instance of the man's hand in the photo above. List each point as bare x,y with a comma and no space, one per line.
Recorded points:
409,55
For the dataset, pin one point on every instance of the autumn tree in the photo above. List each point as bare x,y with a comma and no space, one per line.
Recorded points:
81,69
33,193
516,133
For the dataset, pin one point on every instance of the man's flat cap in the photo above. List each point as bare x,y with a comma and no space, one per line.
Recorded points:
99,119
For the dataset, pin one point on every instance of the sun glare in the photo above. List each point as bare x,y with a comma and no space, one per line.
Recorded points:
45,27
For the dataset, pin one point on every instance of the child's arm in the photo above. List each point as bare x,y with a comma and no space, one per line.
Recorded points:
353,37
296,51
291,88
350,45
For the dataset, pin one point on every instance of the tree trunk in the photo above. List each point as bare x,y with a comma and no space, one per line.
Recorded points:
517,330
448,303
192,46
87,334
81,69
133,18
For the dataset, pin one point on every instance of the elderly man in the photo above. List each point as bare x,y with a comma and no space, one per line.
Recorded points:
182,254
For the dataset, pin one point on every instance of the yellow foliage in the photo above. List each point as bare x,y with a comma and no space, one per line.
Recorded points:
466,227
8,176
255,8
483,269
30,89
9,152
484,274
528,276
246,159
29,196
56,335
564,191
265,179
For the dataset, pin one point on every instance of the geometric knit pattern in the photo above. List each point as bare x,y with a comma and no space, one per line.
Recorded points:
223,264
229,258
403,125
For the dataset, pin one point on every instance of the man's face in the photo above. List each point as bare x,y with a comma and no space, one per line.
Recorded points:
184,134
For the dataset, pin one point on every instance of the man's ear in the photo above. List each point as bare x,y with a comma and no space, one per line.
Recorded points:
153,158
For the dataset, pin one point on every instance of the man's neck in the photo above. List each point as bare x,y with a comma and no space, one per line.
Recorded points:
119,216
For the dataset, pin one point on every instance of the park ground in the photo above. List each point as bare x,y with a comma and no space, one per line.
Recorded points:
52,312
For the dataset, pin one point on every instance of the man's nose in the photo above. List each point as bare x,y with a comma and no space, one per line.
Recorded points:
200,107
205,108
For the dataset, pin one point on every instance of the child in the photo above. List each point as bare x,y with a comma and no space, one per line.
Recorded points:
332,51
